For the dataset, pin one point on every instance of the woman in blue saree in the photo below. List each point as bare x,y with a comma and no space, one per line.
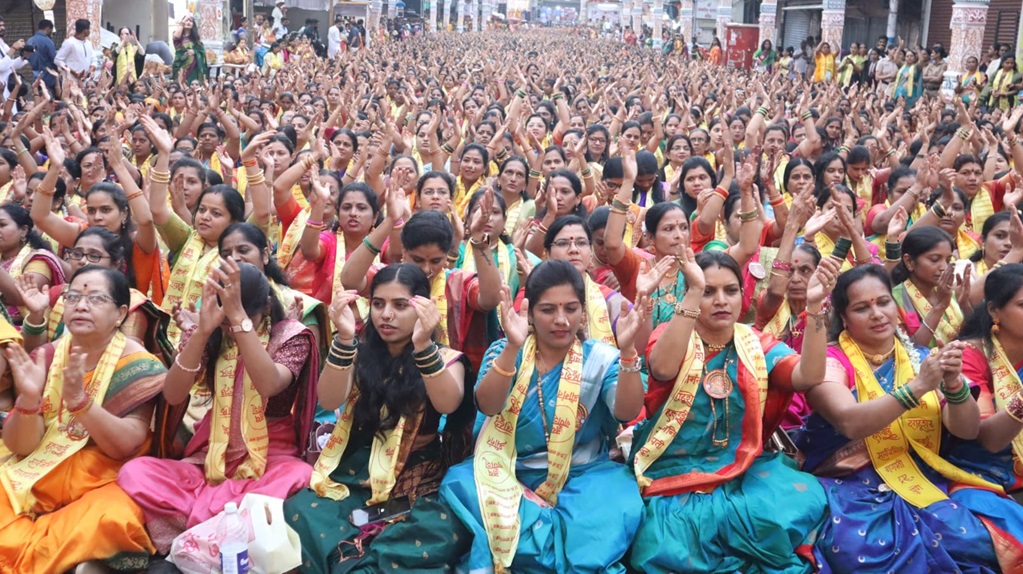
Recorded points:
540,493
874,441
189,53
993,363
715,501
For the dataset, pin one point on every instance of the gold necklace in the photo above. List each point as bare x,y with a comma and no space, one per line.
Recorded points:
878,360
539,397
713,348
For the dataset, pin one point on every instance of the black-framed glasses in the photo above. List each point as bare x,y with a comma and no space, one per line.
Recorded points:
79,254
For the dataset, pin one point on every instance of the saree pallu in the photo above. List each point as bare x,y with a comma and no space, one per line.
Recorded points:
12,312
873,529
764,520
194,66
152,272
80,514
599,507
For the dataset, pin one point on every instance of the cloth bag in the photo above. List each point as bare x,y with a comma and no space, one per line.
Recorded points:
274,547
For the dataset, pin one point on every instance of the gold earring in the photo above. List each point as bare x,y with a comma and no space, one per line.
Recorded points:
995,328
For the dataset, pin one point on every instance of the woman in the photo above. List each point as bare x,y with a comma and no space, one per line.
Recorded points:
1006,83
699,458
925,282
909,80
715,56
824,63
1001,242
882,399
764,57
513,183
544,460
190,54
934,72
562,197
395,384
500,244
244,352
472,171
145,323
88,397
23,253
678,150
127,60
838,217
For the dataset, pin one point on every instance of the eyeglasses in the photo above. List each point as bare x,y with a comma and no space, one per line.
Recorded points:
94,299
580,243
612,184
78,255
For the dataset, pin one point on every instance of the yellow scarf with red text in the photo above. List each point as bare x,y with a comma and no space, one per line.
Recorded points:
981,208
919,428
252,417
60,440
1005,384
190,271
951,321
598,322
291,239
498,489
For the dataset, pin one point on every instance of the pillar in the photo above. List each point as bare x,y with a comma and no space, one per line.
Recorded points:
893,21
91,10
657,13
445,11
637,17
460,23
685,16
477,17
968,20
488,12
209,16
768,23
626,13
428,15
832,22
724,16
373,26
583,9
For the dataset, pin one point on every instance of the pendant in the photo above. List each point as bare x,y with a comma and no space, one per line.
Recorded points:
630,217
757,270
717,384
722,443
74,429
669,298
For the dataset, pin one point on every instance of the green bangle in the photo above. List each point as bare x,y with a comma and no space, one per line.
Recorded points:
31,330
959,397
369,245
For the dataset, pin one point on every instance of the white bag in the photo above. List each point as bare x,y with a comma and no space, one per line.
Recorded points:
275,546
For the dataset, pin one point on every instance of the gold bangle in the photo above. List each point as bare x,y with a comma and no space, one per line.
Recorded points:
501,371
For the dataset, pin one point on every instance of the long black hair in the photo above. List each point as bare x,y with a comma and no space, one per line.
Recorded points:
989,226
1000,289
554,273
256,237
918,241
256,298
127,229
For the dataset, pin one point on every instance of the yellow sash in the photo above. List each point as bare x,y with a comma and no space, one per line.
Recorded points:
61,439
291,239
384,463
780,322
185,286
463,195
864,189
503,262
980,267
494,463
252,417
825,245
676,409
919,428
951,321
981,208
631,222
1005,383
966,244
598,322
511,221
438,294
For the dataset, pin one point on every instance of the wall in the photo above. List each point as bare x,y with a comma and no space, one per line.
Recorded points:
137,15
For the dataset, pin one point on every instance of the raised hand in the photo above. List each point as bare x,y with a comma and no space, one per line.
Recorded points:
823,280
630,321
426,323
73,392
897,224
691,272
35,300
647,282
29,372
341,314
185,318
950,358
516,325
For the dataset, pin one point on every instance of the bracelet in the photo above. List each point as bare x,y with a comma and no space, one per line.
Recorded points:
1000,263
618,210
485,242
889,153
25,151
624,365
369,245
781,265
1015,407
315,225
688,313
956,397
177,361
806,115
30,330
620,205
928,327
762,110
447,149
497,368
256,179
866,261
19,409
938,210
82,406
539,225
822,316
250,162
535,174
777,200
135,195
906,397
746,217
520,93
587,173
46,192
842,149
558,96
892,251
399,224
721,192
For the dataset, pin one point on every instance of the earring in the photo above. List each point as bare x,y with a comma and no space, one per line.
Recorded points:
995,328
531,329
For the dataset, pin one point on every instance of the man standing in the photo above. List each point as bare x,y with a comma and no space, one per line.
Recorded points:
280,27
334,36
45,51
11,60
75,53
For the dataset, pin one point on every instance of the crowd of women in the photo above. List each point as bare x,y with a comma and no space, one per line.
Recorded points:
577,308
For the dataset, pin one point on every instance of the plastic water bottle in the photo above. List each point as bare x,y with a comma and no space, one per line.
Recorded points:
233,537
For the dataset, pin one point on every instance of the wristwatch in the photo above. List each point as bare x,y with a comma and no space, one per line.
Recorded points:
245,327
690,313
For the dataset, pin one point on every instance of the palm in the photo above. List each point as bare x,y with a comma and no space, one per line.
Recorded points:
516,327
35,300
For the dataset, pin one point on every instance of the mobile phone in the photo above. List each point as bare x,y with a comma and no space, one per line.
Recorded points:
383,512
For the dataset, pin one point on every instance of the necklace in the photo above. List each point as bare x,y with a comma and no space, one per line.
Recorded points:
878,360
793,332
713,348
539,398
718,386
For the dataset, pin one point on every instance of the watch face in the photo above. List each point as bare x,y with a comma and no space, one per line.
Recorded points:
247,325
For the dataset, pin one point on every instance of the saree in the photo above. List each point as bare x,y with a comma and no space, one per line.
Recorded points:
79,514
708,507
429,538
573,535
24,262
175,494
874,529
193,66
916,307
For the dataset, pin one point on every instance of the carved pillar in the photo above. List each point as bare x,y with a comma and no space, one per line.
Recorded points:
91,10
626,13
460,24
685,16
445,11
832,22
768,28
657,13
968,20
210,19
724,16
637,17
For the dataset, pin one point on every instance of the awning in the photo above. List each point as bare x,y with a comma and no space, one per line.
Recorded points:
807,7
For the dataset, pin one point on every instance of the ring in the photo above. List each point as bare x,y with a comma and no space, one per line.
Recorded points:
228,286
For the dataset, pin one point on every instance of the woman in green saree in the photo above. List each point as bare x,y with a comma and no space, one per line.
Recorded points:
190,55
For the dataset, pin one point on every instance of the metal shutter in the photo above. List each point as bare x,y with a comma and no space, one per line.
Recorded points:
939,29
796,28
1002,22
